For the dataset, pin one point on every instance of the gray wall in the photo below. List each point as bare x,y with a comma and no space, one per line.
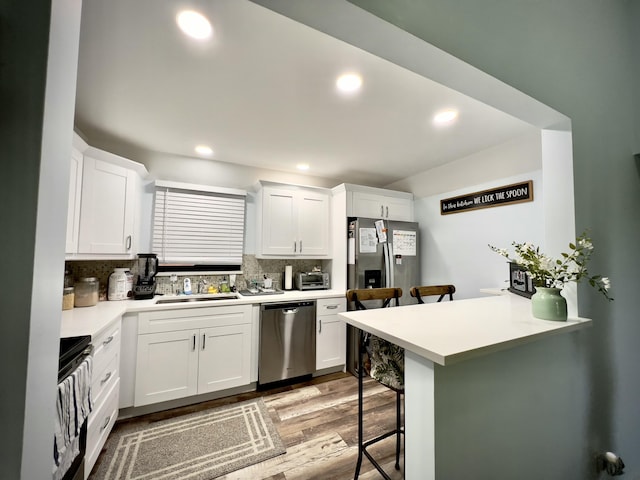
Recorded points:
578,57
22,78
39,46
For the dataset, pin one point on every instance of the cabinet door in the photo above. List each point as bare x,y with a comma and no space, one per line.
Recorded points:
331,333
107,211
313,223
75,191
368,205
279,221
400,209
382,206
225,357
166,366
100,423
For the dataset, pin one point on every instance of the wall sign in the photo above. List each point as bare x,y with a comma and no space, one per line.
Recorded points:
496,197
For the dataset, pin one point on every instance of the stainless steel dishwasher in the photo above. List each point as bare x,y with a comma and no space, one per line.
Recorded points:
287,341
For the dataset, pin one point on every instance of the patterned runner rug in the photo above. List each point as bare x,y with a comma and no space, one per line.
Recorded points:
198,446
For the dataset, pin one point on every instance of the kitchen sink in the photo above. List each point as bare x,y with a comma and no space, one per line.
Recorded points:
259,291
198,298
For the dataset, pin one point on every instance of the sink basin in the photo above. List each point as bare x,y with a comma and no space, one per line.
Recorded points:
198,298
259,291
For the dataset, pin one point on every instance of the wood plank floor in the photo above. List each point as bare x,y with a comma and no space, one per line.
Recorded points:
317,421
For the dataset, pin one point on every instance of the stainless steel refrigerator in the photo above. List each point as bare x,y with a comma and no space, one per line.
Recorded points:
380,253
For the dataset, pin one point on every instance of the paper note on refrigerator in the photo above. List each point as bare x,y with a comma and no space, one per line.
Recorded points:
368,240
404,242
381,231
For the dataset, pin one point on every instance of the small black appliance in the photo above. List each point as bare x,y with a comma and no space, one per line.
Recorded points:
145,286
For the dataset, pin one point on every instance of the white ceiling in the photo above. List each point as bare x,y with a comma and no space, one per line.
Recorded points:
261,93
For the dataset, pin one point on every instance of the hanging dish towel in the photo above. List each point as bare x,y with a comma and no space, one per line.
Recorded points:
73,405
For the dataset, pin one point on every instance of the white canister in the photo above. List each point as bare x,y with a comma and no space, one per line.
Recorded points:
120,284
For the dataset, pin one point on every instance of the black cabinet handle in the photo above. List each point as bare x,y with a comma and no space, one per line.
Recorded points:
105,379
106,423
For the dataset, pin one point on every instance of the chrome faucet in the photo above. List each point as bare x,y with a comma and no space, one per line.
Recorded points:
202,285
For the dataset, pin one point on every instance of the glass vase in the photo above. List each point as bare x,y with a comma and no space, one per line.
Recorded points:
548,304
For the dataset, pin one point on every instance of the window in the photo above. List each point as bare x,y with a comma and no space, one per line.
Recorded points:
198,227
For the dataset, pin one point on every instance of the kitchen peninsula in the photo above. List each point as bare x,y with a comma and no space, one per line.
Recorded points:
478,374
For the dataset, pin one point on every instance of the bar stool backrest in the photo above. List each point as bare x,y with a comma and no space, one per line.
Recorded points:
432,290
389,296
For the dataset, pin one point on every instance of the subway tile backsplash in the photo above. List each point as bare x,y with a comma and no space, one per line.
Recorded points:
253,269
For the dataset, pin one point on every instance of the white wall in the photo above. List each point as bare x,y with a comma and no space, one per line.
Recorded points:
517,156
454,247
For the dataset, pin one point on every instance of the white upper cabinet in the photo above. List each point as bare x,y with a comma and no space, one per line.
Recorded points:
380,203
103,202
108,208
292,222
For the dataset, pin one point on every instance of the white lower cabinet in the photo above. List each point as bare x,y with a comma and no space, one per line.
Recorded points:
100,424
167,366
105,391
224,357
189,352
331,333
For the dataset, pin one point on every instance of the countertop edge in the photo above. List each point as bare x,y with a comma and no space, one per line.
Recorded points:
453,354
93,320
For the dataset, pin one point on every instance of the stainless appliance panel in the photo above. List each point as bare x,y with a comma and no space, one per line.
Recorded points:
287,341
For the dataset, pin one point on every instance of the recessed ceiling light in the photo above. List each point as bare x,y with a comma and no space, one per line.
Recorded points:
204,150
349,82
445,117
302,166
194,24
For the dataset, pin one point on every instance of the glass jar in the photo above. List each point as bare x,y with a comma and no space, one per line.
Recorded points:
86,292
68,298
68,279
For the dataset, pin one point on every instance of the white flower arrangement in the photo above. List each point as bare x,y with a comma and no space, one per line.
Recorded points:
549,272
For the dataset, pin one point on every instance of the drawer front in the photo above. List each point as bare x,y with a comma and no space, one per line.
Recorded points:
330,306
105,347
103,379
192,318
101,421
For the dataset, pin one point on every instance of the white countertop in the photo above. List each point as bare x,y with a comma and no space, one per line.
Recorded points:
92,320
450,332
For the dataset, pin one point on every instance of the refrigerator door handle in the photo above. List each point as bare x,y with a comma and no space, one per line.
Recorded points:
391,269
388,280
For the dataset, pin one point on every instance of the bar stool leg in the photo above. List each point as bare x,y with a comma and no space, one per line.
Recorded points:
360,401
398,426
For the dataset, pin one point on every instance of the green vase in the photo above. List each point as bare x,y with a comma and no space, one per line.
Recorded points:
548,304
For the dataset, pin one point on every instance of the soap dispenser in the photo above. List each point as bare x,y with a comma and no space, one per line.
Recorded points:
187,286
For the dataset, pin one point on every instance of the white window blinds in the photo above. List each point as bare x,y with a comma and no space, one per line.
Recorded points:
198,227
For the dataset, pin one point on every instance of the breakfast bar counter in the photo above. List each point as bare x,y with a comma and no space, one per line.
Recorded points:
458,337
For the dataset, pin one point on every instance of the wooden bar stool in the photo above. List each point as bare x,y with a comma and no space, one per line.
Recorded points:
386,367
432,290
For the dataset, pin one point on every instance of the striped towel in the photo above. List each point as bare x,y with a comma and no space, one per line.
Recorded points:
73,405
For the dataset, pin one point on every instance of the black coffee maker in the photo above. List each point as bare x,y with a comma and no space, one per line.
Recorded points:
145,286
